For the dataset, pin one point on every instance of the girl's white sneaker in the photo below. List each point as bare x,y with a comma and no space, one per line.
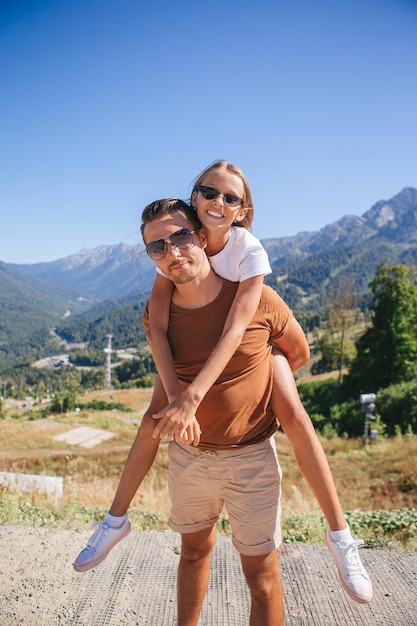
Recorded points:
103,539
352,574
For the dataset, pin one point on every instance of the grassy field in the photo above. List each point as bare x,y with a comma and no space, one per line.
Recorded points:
377,485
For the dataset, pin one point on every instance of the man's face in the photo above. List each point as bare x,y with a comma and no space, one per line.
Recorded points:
181,265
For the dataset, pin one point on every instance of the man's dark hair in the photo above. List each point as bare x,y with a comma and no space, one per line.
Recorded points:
160,208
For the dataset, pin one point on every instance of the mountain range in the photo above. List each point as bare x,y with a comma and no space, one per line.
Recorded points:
99,274
388,221
95,282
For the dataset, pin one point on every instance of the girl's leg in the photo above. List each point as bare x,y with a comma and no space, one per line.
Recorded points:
308,450
141,456
139,461
313,464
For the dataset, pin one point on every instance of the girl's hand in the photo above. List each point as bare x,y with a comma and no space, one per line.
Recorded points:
178,420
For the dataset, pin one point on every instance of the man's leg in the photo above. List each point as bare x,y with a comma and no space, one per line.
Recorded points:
264,581
193,574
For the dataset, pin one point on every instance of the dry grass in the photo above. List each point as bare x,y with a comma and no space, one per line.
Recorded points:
379,477
136,399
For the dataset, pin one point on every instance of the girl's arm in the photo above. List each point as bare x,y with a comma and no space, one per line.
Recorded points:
159,304
241,312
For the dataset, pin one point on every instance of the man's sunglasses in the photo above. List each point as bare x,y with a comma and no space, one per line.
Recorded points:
209,193
182,238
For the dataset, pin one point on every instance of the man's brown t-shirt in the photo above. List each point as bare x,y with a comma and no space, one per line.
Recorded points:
235,411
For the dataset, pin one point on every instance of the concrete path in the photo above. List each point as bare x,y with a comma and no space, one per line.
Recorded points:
135,586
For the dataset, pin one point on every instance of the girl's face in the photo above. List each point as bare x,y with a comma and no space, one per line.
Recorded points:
215,213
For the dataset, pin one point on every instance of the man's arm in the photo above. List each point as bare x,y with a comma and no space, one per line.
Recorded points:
293,344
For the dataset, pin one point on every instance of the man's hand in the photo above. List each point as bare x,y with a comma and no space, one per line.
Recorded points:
178,420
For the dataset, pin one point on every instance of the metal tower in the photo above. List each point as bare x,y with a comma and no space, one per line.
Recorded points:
107,372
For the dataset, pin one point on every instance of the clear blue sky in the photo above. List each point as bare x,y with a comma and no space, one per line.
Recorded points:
107,105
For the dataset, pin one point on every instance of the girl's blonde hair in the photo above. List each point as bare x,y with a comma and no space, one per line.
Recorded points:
233,169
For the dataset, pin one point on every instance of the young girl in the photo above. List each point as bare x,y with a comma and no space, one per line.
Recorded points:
222,199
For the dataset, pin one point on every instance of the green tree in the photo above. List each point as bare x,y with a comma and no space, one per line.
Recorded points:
387,351
134,368
329,349
340,313
336,348
336,354
69,388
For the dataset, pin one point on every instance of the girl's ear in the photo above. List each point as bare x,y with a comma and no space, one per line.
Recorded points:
194,199
240,215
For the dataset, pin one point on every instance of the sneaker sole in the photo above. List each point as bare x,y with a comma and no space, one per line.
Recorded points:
94,562
351,594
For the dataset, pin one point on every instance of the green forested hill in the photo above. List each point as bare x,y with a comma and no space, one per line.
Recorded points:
122,320
31,308
27,308
304,284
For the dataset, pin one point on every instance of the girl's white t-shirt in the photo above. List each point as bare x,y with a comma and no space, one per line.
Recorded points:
242,257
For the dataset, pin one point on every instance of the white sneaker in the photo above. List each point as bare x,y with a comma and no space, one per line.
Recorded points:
352,574
100,543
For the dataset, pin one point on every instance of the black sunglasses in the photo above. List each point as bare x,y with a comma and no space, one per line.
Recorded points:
209,193
182,238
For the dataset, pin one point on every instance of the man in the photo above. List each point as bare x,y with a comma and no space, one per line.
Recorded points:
235,462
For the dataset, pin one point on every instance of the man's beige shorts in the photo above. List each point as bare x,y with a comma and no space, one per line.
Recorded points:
246,480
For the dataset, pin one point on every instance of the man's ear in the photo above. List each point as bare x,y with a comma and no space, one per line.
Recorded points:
203,238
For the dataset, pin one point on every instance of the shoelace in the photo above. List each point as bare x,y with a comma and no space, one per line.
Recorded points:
351,558
95,539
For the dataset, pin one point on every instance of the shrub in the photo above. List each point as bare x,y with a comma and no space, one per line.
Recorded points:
102,405
397,405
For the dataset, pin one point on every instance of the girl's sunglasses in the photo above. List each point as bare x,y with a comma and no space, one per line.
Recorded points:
182,238
209,193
